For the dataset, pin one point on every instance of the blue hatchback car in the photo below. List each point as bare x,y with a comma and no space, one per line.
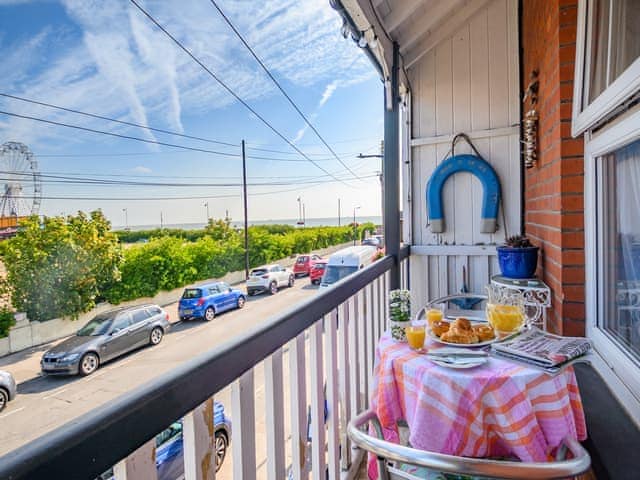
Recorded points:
206,301
170,445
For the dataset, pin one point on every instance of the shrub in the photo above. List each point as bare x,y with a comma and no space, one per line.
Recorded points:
7,320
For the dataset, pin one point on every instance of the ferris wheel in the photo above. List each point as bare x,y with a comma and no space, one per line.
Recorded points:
20,182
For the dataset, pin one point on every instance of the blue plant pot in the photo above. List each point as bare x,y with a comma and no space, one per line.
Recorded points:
518,262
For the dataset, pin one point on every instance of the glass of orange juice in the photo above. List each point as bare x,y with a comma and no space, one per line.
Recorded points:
435,314
505,319
416,334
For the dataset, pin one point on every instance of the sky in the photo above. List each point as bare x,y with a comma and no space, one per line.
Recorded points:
108,59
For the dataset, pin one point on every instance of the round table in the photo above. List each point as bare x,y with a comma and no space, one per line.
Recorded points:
497,409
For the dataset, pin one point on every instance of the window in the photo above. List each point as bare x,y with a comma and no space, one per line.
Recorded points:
619,247
139,316
154,310
214,290
121,322
607,59
192,293
224,287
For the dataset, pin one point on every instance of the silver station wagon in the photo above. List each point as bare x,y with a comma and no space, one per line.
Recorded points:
107,336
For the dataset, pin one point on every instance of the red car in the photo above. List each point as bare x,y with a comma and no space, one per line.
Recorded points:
316,271
304,263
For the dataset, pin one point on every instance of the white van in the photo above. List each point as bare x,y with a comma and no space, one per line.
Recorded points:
345,262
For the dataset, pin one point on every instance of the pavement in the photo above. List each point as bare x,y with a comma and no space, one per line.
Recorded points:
44,403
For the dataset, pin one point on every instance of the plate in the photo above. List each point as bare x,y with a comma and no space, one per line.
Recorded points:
468,363
435,338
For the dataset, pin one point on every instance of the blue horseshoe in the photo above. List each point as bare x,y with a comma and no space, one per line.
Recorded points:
490,184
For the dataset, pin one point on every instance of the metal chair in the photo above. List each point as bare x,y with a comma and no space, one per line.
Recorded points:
392,459
460,300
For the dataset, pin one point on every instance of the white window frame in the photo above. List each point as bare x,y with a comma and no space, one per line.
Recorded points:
617,92
619,370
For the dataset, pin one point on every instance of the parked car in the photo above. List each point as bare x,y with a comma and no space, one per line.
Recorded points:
304,264
206,301
108,335
347,261
269,278
170,446
8,389
374,241
317,271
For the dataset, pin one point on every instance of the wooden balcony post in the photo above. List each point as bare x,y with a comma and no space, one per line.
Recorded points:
140,465
199,442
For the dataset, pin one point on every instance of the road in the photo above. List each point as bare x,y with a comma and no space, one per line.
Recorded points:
45,403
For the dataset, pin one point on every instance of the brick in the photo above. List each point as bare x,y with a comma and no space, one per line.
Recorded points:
573,328
573,293
572,147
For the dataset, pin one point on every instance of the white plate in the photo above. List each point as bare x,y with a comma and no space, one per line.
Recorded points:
469,363
435,338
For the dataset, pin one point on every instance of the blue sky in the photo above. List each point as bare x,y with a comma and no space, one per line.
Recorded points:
106,58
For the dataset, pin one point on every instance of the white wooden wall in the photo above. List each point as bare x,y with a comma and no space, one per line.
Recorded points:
469,82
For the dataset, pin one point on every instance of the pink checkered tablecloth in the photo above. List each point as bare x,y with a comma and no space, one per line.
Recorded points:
498,409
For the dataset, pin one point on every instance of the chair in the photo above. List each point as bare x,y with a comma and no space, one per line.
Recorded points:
397,462
464,303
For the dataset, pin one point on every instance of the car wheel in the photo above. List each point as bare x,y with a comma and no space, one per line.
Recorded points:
4,398
156,336
221,444
209,314
251,293
241,301
89,363
273,288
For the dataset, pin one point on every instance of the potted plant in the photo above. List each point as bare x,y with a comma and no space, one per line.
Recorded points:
518,258
399,313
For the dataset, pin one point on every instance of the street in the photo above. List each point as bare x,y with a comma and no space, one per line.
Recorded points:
46,402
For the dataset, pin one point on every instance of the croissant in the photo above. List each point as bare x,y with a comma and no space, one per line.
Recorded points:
457,336
462,324
484,332
439,327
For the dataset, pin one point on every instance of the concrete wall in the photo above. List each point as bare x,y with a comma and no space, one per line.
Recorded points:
27,334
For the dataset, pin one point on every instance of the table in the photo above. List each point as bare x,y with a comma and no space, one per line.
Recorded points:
537,296
497,409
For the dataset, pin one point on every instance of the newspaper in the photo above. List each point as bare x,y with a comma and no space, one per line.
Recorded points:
543,349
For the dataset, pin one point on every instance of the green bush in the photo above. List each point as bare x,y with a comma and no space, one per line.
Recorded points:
7,320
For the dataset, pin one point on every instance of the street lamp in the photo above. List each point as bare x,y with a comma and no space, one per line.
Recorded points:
355,227
126,219
206,204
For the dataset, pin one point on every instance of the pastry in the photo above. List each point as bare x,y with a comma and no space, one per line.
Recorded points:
457,336
463,324
484,332
439,327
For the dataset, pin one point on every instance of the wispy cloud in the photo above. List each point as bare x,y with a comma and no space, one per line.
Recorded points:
141,169
122,66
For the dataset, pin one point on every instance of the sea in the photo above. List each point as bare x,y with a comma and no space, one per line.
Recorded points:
309,222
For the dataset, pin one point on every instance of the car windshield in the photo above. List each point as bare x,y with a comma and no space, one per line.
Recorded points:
98,326
192,293
302,259
333,273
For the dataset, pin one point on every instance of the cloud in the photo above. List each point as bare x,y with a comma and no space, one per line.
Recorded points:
141,169
110,60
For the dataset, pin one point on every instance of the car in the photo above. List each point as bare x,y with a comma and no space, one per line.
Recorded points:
347,261
269,278
374,241
304,264
8,389
170,446
206,301
317,271
105,337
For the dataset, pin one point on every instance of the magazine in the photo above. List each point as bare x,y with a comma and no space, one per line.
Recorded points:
543,349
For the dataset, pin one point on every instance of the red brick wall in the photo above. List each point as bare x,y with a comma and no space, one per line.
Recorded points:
554,200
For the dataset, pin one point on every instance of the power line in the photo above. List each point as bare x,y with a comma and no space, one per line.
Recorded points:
119,135
109,119
228,89
286,95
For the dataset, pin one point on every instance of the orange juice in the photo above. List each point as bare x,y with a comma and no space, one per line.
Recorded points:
505,318
415,336
434,315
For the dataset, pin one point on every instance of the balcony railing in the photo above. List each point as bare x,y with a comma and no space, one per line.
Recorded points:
338,328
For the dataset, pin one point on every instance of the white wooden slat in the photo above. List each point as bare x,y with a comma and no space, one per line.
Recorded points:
244,424
140,465
426,97
498,68
380,294
199,443
348,388
368,319
331,369
274,409
479,57
363,345
443,276
318,461
354,358
444,88
513,45
298,404
484,147
373,302
470,250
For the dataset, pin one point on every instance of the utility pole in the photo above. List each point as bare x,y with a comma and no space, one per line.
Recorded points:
339,212
246,217
126,219
355,225
161,220
206,204
303,217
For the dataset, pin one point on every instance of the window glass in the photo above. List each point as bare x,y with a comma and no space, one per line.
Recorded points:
154,310
615,43
192,293
302,259
122,322
619,230
224,287
213,290
140,315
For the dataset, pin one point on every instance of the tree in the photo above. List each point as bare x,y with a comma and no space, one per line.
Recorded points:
59,267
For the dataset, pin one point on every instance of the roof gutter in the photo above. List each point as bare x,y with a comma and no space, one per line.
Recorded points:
355,33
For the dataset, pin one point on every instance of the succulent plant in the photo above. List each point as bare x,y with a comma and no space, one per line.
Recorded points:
518,241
